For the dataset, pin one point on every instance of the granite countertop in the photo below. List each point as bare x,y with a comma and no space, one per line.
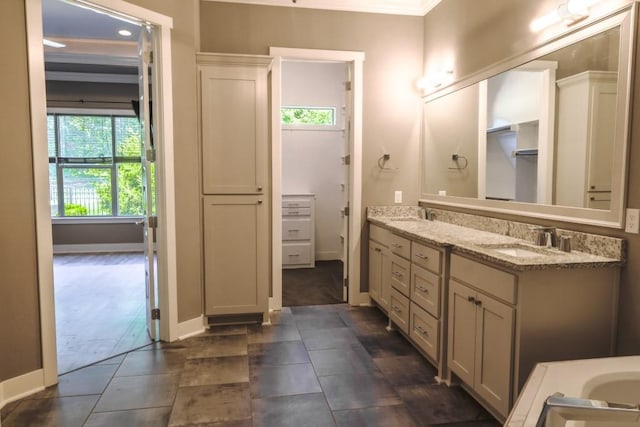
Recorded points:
483,245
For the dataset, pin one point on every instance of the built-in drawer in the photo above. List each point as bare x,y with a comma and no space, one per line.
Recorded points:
296,229
400,245
424,330
399,310
296,253
296,203
379,234
485,278
426,257
296,211
425,289
401,274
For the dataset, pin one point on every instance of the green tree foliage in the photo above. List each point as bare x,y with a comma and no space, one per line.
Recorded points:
72,209
307,116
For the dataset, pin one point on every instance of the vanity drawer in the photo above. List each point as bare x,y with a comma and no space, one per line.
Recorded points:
399,310
400,245
296,229
296,253
424,330
401,274
425,290
379,234
426,257
296,203
296,211
488,279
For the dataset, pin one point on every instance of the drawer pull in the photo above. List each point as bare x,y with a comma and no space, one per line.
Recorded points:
423,289
478,302
377,249
422,256
396,309
471,299
291,230
395,245
422,331
395,273
293,204
293,212
294,254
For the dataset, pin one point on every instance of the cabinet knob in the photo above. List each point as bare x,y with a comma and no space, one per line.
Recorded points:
259,187
471,299
260,201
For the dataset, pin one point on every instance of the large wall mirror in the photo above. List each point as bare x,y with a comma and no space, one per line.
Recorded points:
543,135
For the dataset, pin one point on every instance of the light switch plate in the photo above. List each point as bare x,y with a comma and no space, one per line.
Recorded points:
398,196
632,222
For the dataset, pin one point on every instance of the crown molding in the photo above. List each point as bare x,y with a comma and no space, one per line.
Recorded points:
390,7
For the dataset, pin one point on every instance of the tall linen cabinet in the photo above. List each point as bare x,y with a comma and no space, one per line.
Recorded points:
234,125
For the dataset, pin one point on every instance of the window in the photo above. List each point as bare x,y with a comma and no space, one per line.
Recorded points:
308,116
95,165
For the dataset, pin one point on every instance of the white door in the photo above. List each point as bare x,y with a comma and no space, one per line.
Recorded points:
148,170
348,131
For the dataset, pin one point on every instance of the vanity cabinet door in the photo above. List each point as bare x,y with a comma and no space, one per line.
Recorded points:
379,274
494,347
462,331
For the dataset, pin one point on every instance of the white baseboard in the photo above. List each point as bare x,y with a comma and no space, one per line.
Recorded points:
98,248
327,256
191,327
22,386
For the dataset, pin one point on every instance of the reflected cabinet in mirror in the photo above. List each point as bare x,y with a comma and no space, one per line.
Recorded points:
547,138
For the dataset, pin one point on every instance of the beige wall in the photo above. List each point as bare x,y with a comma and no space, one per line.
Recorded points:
478,34
19,318
393,63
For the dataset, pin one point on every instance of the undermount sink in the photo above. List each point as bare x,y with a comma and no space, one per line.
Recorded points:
519,250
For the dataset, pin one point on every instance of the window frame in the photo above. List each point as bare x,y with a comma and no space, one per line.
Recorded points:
111,163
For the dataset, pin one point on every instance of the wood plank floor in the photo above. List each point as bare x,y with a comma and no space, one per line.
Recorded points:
100,307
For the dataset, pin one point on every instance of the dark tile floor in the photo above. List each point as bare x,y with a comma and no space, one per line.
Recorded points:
314,366
312,286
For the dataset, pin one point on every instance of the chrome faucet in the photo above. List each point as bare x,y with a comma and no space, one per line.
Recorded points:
547,236
431,215
574,408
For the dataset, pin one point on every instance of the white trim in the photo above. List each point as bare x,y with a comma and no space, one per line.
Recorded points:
91,111
355,59
91,248
44,239
22,386
71,220
191,327
81,58
399,7
166,203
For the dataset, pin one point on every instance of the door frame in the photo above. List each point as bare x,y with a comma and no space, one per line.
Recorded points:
166,238
355,60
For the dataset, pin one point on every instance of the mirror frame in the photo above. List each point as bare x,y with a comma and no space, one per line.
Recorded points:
613,218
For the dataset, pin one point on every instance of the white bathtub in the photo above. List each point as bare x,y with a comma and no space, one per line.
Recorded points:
613,379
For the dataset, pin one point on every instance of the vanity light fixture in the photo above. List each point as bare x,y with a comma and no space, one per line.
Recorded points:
124,33
51,43
568,12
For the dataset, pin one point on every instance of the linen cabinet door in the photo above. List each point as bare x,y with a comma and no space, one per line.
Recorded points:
236,268
234,114
462,331
494,352
375,270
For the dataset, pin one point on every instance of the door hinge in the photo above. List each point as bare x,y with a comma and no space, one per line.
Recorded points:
153,221
346,211
148,56
155,314
347,159
347,85
346,282
150,155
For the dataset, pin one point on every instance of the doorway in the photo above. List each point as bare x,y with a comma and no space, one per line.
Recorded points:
164,301
352,206
314,120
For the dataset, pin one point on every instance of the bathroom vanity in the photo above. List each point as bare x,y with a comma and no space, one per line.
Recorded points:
485,307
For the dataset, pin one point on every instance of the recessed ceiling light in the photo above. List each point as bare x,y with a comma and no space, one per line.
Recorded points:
51,43
125,33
